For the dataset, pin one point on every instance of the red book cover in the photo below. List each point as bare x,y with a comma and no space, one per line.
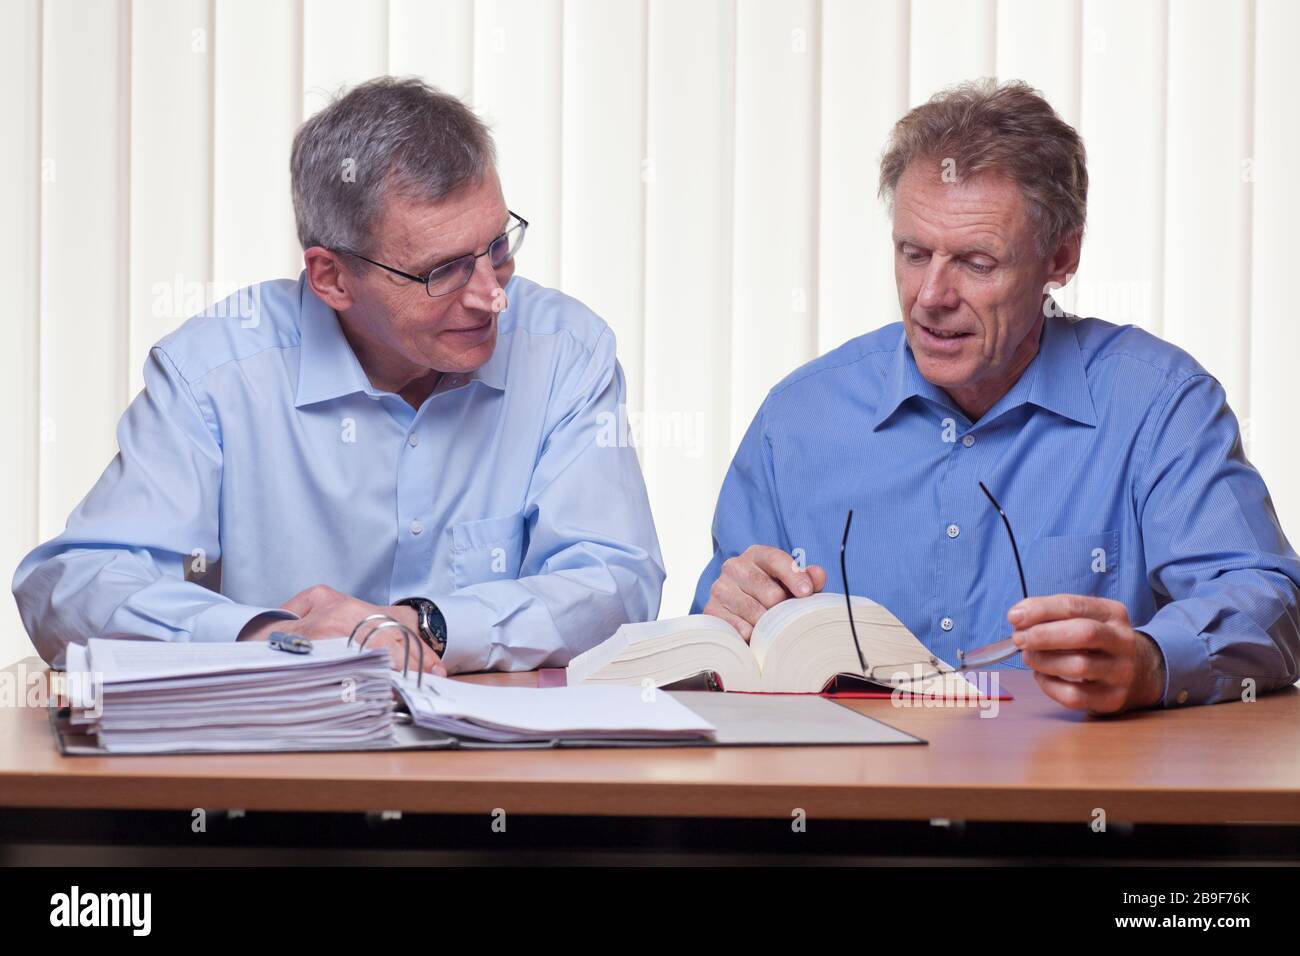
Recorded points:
843,688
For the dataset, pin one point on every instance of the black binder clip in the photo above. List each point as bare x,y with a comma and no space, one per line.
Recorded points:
384,621
290,643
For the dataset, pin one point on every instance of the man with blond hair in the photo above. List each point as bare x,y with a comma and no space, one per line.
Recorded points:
1156,570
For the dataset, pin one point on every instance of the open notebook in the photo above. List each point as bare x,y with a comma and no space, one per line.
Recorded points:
800,646
147,697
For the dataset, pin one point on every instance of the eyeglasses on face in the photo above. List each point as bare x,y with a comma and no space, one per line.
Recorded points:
453,276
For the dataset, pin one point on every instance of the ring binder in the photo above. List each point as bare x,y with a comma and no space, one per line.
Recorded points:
384,622
368,617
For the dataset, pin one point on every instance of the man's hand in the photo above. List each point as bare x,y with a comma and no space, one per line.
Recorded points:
1086,655
324,612
756,580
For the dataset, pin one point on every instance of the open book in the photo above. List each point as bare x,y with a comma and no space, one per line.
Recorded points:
800,646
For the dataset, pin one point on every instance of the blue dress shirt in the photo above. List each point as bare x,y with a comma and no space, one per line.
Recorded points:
259,443
1115,457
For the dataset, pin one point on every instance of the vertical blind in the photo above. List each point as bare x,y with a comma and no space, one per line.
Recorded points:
701,172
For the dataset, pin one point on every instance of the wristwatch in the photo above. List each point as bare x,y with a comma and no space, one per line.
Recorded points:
431,625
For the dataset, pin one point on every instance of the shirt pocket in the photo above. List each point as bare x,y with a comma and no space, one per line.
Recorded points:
1074,564
490,549
1086,564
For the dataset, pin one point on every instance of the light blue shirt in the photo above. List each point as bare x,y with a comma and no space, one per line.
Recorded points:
258,443
1115,457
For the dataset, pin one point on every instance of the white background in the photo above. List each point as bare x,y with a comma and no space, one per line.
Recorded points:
701,172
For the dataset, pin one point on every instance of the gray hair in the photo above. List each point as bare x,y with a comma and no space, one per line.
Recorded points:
386,135
1010,129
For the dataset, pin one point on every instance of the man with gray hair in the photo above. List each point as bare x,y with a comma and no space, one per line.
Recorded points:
407,429
1154,570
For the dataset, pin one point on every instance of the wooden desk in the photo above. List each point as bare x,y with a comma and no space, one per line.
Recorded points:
1034,761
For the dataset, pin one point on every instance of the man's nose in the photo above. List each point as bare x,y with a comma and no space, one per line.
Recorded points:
937,291
481,288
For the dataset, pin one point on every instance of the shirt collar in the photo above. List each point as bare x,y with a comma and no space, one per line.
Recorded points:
904,381
1061,385
328,368
1055,380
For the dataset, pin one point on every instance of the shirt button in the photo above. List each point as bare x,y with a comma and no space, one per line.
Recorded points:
953,531
416,527
413,440
1182,697
946,624
968,440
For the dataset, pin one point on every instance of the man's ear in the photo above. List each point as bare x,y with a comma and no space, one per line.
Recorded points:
1064,262
327,278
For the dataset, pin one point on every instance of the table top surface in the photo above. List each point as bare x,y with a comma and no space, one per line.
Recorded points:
1035,761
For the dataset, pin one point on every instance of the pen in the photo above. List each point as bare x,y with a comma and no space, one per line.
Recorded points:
290,643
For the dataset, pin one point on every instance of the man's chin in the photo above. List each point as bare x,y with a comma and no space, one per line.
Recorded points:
459,359
945,372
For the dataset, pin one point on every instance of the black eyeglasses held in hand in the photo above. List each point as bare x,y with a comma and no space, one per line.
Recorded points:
1007,648
898,675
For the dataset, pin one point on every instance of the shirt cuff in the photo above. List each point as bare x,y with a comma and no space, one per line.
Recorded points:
223,621
1188,672
469,627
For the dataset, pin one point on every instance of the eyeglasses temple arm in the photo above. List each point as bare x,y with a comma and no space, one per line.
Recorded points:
848,603
1024,591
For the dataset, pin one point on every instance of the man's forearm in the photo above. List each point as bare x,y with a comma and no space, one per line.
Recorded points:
1237,633
545,619
76,594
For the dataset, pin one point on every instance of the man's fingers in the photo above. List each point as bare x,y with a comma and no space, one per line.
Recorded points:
756,580
746,589
1095,698
741,604
432,663
783,568
300,603
1059,607
1079,666
316,597
1071,634
715,609
406,656
818,575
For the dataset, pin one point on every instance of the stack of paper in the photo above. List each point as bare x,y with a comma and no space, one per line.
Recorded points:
523,714
154,697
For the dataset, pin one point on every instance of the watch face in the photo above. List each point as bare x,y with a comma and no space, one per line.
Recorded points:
433,628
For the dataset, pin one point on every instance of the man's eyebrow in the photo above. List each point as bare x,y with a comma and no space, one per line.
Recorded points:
429,264
981,250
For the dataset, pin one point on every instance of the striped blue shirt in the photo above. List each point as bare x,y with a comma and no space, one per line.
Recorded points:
1116,459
